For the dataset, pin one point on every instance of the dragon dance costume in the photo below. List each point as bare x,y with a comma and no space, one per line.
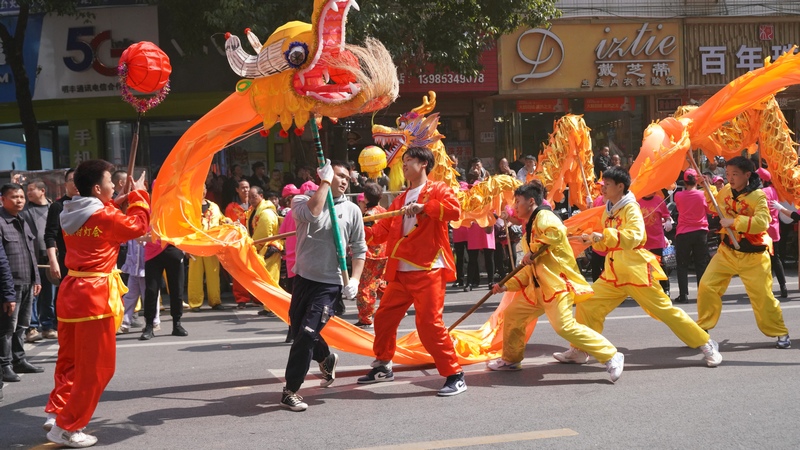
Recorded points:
205,265
630,270
752,263
549,286
90,305
419,266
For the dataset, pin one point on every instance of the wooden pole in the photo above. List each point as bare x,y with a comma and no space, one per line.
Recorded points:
693,163
371,218
502,282
132,159
385,215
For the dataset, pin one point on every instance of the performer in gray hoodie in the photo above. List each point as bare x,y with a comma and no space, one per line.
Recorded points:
318,283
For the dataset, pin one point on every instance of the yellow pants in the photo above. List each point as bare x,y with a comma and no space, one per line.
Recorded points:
199,265
521,312
755,271
652,299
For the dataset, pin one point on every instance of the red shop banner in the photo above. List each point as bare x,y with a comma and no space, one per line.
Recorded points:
609,104
429,80
543,105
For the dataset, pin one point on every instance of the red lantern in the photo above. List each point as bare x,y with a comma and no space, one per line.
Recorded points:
148,67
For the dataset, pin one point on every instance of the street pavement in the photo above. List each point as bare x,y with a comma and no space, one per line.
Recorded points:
219,388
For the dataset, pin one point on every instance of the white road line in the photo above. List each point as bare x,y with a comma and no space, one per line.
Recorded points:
478,440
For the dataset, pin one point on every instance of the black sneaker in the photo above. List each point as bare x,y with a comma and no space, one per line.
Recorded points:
147,333
328,369
266,313
178,330
292,401
377,375
454,385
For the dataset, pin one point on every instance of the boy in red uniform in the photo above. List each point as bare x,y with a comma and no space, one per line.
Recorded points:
90,305
419,266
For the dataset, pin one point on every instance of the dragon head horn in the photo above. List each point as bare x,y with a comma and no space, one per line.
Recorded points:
427,105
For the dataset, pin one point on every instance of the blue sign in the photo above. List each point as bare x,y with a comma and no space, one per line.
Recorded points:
30,55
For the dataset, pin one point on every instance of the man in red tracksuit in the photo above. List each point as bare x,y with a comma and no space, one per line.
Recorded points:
419,266
90,302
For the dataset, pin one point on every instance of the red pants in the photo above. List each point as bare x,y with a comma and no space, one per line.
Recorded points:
240,294
425,290
371,282
87,356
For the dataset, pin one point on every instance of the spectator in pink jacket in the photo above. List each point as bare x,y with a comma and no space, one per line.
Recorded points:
773,230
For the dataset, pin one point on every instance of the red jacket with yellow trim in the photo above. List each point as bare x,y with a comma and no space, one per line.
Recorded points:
423,244
94,248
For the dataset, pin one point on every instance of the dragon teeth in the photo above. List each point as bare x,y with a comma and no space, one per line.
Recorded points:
334,7
354,5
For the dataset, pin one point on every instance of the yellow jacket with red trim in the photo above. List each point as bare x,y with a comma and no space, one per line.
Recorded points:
750,213
555,270
627,262
427,240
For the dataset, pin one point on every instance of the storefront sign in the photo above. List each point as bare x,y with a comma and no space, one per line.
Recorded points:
543,105
668,104
597,57
76,59
609,104
429,80
719,52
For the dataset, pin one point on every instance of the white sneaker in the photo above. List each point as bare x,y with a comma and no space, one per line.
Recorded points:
123,329
615,365
711,353
500,364
572,356
75,439
49,422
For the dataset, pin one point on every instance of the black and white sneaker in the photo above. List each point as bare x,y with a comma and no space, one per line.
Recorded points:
377,375
328,369
454,385
292,401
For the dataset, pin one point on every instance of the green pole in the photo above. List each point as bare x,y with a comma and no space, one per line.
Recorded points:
337,234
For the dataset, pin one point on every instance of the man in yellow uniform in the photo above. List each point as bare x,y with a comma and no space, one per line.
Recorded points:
549,285
262,222
630,270
205,265
745,211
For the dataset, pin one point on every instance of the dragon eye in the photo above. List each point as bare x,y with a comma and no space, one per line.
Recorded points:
297,54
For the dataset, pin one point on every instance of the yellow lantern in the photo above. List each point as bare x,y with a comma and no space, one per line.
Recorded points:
372,161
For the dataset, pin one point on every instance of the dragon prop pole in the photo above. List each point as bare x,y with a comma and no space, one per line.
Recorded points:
693,163
132,159
337,234
502,282
371,218
510,247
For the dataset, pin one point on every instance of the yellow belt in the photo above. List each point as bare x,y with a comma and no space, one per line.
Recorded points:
116,289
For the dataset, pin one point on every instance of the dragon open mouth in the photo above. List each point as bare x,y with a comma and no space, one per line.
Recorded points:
390,142
327,78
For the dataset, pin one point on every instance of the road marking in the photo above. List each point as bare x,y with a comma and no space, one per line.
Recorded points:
479,440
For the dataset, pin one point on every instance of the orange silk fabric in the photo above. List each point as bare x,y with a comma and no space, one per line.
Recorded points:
176,219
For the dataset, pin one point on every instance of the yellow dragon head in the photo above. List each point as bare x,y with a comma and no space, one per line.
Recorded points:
304,69
414,129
